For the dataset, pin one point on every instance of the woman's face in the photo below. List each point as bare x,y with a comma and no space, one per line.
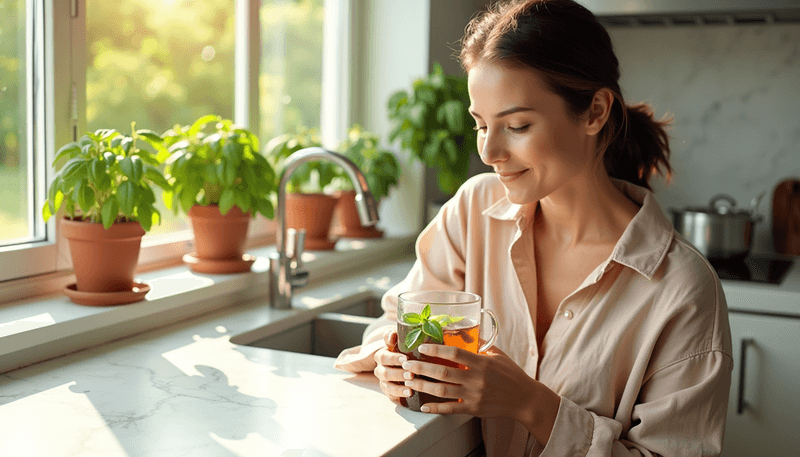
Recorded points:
526,133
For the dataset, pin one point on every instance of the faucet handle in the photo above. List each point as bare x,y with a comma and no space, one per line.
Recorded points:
295,244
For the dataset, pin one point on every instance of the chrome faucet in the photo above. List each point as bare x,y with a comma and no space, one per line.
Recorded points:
285,264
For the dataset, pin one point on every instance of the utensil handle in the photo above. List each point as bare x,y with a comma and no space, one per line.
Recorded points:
495,329
742,403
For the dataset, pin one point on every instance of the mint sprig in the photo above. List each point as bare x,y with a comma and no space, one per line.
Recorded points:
423,324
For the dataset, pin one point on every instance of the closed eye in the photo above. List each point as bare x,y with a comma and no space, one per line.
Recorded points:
519,129
478,127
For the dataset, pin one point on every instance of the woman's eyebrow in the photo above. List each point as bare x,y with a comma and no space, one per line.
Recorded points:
513,110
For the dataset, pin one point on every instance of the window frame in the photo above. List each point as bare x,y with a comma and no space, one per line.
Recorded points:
62,35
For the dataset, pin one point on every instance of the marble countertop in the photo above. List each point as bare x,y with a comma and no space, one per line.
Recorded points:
185,389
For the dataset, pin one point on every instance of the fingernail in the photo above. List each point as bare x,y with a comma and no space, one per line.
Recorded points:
424,348
425,409
406,365
407,392
409,383
403,359
408,375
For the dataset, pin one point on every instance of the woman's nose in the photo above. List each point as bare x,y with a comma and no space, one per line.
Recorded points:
491,148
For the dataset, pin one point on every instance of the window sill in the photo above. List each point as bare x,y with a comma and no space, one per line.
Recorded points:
50,326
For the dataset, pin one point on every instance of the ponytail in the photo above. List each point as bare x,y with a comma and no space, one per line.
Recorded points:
640,149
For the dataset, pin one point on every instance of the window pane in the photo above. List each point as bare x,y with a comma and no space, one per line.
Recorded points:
14,195
159,63
290,82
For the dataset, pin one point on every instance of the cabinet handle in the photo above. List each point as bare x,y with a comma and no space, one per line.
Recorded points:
742,373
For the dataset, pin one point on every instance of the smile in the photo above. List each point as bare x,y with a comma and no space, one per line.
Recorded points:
508,177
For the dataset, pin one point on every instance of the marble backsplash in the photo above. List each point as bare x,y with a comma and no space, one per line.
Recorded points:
734,94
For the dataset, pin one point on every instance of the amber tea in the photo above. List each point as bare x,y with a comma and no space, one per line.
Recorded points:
450,318
464,336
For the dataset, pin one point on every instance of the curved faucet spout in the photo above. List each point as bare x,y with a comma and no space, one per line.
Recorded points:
281,274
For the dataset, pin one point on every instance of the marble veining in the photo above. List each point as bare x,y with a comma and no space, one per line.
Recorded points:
734,95
187,390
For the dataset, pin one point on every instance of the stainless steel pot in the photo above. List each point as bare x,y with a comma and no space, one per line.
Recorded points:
719,230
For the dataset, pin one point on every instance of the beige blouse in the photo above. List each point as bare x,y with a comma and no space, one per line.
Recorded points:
640,352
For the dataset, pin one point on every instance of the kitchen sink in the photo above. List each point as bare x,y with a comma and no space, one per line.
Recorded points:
325,334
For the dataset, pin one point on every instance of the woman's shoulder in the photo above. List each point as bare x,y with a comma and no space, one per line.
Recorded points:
484,189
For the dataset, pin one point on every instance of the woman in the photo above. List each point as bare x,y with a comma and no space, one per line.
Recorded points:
614,335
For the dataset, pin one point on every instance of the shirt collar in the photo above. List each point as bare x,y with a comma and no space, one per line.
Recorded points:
642,246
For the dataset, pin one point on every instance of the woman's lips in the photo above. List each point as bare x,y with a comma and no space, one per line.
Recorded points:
508,177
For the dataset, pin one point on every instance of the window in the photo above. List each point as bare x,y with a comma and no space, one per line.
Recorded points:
155,62
25,241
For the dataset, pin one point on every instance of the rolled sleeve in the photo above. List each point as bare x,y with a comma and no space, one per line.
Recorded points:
439,266
682,412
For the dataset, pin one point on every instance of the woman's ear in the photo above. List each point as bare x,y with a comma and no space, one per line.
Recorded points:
599,111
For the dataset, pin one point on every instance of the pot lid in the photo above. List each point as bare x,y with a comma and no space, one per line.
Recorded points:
725,205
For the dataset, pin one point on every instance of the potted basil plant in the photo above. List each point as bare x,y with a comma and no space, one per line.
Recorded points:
308,206
381,170
220,179
106,190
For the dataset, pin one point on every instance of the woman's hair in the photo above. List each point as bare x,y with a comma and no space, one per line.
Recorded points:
570,48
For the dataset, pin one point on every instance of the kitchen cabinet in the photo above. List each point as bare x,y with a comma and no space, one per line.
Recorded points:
765,418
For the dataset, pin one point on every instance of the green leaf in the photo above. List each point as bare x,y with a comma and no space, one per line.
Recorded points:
243,201
67,149
126,165
109,212
144,215
445,320
200,123
414,338
188,198
57,201
110,158
454,115
47,210
86,197
157,178
230,174
451,149
138,168
226,201
150,136
434,330
125,195
411,318
417,115
265,208
426,312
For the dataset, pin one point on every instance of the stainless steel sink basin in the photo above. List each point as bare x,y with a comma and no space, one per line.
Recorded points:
325,334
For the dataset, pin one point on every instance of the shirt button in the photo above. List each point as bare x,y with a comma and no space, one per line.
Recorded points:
533,351
567,314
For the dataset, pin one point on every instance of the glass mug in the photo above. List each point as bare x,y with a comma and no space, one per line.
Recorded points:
439,317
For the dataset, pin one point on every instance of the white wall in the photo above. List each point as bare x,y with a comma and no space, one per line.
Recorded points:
734,92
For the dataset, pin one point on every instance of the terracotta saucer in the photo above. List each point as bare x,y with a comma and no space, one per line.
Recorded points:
215,266
136,293
360,232
319,244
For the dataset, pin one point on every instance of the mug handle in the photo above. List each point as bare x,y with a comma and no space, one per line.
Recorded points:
495,328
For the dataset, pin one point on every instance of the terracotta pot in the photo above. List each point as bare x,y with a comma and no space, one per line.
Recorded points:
312,212
217,236
103,260
346,222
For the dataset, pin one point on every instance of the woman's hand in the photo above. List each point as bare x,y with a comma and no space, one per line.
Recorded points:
492,386
388,370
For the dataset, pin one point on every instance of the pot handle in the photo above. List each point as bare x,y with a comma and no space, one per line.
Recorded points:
722,209
754,205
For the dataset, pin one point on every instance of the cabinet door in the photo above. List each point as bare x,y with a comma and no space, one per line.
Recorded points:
766,420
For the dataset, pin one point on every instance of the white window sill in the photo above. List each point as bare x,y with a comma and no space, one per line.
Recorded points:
50,326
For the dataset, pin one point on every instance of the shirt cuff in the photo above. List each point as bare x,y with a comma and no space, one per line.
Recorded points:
572,431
